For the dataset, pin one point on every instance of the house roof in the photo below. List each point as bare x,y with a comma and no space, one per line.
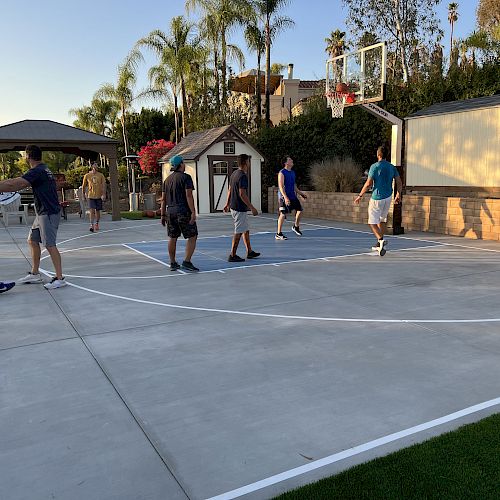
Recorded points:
195,144
310,84
49,131
457,106
245,82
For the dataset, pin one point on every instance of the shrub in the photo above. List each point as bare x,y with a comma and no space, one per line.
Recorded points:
336,174
74,177
151,153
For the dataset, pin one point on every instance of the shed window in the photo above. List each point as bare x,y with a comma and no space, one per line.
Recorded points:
229,148
220,167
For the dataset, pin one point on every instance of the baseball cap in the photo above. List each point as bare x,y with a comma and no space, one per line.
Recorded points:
175,162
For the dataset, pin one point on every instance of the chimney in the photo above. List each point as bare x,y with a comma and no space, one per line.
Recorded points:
290,71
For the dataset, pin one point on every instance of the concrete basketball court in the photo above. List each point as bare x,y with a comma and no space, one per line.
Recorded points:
240,381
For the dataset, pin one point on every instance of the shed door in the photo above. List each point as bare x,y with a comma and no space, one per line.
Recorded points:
220,169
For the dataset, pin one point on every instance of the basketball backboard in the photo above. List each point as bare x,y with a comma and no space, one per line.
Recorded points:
363,71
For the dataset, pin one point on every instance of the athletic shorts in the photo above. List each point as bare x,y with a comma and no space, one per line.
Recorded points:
178,224
378,210
95,203
44,229
287,209
240,220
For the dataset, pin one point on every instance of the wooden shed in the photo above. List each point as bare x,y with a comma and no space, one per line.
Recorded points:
210,157
453,148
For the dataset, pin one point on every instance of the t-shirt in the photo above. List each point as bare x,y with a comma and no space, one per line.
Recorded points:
174,187
44,189
94,183
382,174
289,178
238,180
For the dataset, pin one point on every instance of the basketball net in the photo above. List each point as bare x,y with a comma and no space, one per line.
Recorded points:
336,101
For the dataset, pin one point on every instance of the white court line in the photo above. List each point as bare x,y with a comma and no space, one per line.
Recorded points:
356,450
280,316
234,268
152,258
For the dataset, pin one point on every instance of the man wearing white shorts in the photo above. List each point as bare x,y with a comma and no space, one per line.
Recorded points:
239,203
380,176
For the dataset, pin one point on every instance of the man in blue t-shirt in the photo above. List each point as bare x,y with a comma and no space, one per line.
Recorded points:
47,215
380,176
287,198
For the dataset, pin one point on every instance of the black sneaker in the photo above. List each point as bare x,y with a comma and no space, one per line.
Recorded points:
188,266
280,236
91,228
296,230
252,254
174,266
235,258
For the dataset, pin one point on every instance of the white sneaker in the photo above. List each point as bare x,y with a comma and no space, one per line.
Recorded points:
55,283
31,278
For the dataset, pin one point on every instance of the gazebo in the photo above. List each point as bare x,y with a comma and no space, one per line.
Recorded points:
53,136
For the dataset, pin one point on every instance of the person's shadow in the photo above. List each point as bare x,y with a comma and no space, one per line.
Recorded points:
471,222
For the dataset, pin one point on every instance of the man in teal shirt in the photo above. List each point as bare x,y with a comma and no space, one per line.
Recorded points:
380,176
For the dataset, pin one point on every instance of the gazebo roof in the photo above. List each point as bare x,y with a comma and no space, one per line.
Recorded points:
48,131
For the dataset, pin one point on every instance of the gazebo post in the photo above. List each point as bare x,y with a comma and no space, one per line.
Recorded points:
115,190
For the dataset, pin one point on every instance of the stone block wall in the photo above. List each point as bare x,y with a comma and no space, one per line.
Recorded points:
476,218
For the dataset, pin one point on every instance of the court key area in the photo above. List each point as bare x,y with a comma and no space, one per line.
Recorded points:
243,380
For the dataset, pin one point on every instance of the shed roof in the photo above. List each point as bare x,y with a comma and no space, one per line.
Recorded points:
457,106
195,144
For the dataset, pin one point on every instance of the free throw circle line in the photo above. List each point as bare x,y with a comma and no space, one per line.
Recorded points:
277,316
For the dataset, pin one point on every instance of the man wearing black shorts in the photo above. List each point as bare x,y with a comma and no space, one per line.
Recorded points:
48,215
178,213
94,189
287,198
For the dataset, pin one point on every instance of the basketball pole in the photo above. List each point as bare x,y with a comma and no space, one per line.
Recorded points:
396,154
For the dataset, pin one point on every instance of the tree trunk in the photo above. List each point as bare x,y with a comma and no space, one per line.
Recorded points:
258,91
176,116
125,145
268,73
402,40
217,78
224,68
451,39
184,106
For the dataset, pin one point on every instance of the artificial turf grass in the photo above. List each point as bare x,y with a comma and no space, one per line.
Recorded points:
136,215
463,464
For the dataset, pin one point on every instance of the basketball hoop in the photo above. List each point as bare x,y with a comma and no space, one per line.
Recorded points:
336,101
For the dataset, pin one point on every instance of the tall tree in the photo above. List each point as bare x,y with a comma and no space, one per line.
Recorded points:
175,50
220,18
123,92
452,19
256,42
268,13
488,17
403,23
335,43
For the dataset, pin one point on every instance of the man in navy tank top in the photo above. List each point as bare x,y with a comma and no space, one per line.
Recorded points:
287,198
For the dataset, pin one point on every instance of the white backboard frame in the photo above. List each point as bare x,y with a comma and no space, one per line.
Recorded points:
339,70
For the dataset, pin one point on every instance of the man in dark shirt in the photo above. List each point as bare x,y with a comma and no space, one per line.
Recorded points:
47,215
178,213
239,203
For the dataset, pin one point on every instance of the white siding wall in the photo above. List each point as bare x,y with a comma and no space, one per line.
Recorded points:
204,187
456,149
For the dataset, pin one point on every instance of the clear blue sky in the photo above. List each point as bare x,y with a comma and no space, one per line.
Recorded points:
56,53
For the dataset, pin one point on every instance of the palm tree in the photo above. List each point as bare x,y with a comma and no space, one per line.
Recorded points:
335,43
256,42
268,13
220,17
452,18
123,92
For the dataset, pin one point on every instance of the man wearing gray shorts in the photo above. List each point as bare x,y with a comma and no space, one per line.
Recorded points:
380,176
239,203
47,216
